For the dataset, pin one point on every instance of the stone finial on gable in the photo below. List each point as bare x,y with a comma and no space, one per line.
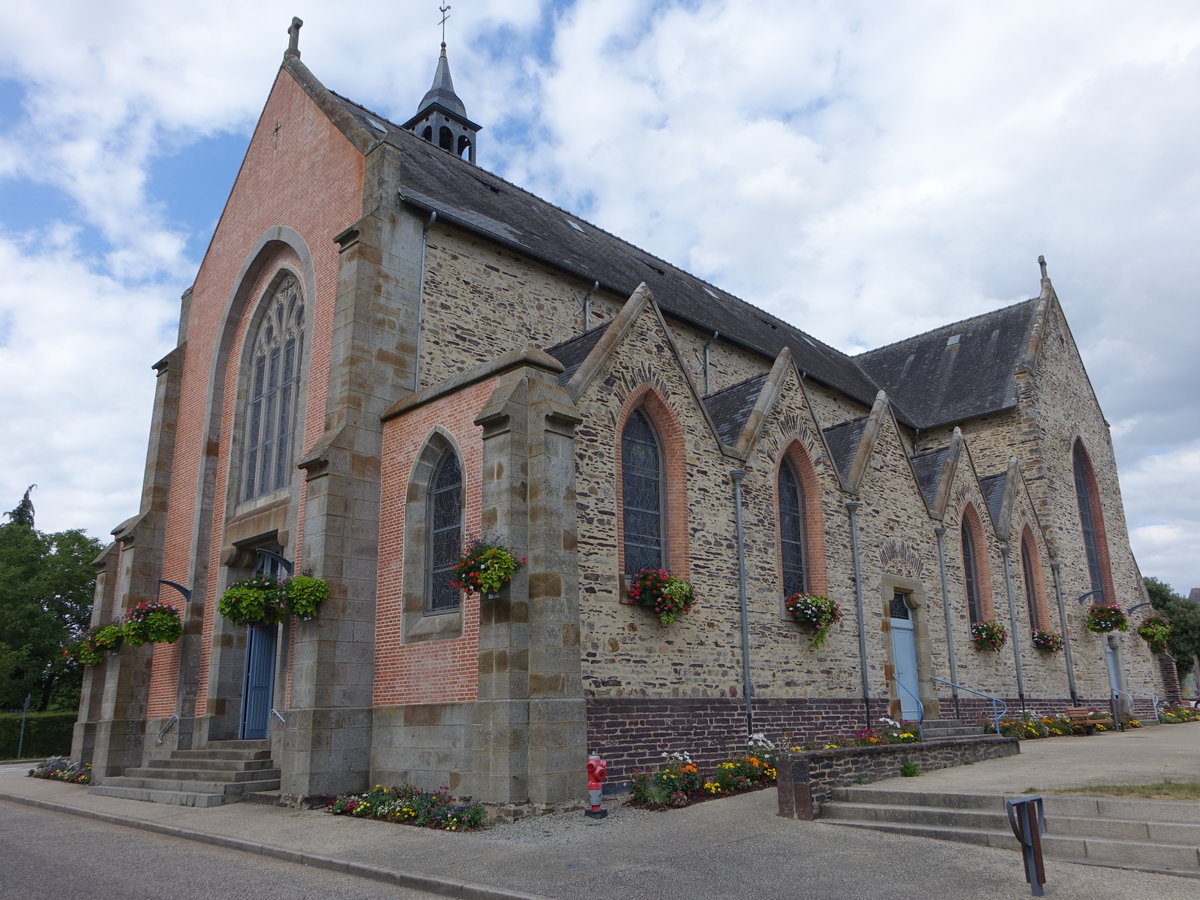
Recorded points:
1047,288
294,38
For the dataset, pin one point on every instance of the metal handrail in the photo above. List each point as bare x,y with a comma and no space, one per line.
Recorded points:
920,707
1155,699
276,714
996,716
167,726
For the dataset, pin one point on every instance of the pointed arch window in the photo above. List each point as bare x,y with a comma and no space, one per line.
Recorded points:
791,531
444,547
641,495
274,385
971,573
1089,520
1028,561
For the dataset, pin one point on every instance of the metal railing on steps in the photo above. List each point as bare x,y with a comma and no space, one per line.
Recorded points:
998,712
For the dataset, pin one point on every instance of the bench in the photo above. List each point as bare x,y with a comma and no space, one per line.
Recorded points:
1087,718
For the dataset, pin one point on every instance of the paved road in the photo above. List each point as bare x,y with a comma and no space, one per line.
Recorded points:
51,855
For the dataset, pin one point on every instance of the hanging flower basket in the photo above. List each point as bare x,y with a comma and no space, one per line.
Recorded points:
1047,641
658,589
303,595
153,622
989,635
99,641
485,568
1155,631
254,601
1102,618
813,614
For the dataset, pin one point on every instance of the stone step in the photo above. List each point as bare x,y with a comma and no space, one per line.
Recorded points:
266,798
177,798
933,734
1153,836
223,754
193,763
201,775
240,745
228,788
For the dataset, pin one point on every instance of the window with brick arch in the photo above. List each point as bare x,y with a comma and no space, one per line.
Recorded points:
444,547
1085,494
971,583
274,385
791,531
1028,571
642,495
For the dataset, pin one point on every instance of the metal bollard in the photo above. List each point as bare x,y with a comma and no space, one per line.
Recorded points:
1029,824
597,769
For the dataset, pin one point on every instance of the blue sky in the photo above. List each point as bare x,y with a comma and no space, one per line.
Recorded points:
867,171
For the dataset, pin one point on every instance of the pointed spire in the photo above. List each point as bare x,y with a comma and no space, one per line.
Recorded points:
442,91
441,117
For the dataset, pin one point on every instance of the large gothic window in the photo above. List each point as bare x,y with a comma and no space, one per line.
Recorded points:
274,383
641,495
971,572
791,531
1089,520
444,547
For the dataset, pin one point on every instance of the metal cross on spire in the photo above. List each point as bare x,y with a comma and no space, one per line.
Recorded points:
444,9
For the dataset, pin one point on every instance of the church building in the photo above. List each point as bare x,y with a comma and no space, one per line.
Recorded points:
388,352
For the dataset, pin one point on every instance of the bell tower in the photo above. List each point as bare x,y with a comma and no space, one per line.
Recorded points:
441,117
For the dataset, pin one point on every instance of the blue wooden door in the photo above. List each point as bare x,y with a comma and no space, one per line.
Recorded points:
904,658
259,681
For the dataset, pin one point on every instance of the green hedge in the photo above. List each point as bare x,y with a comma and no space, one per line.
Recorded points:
46,734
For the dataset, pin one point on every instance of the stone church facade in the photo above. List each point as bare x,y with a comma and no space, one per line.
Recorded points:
388,351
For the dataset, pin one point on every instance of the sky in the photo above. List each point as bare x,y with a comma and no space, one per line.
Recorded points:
864,170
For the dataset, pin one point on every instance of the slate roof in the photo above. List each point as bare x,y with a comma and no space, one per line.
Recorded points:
843,441
993,493
573,352
730,408
434,180
928,468
957,371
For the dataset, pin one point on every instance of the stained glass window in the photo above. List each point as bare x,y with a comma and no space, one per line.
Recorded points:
641,495
445,533
1035,613
970,572
791,531
1087,520
274,379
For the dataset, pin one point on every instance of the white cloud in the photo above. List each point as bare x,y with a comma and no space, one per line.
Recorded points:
866,170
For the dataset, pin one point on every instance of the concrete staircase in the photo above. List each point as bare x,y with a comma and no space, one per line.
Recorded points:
1146,835
932,729
222,772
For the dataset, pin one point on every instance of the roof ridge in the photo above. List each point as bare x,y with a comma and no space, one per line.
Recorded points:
816,342
946,327
738,384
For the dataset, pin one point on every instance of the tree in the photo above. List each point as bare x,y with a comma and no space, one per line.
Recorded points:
1185,623
46,591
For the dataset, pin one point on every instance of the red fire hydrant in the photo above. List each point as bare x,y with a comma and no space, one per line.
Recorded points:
596,770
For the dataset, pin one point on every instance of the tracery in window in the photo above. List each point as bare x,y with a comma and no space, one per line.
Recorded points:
274,385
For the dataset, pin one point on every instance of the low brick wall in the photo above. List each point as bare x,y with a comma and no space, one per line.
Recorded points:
807,779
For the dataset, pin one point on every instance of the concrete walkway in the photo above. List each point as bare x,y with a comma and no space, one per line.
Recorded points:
736,847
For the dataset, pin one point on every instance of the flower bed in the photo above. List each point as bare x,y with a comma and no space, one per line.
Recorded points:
1173,715
678,782
408,805
59,768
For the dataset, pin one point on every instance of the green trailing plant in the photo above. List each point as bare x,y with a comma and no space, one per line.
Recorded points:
816,614
97,643
1047,641
1103,618
485,568
152,622
1155,631
304,594
989,635
658,589
910,770
258,600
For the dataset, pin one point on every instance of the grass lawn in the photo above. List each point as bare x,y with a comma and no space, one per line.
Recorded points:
1160,790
